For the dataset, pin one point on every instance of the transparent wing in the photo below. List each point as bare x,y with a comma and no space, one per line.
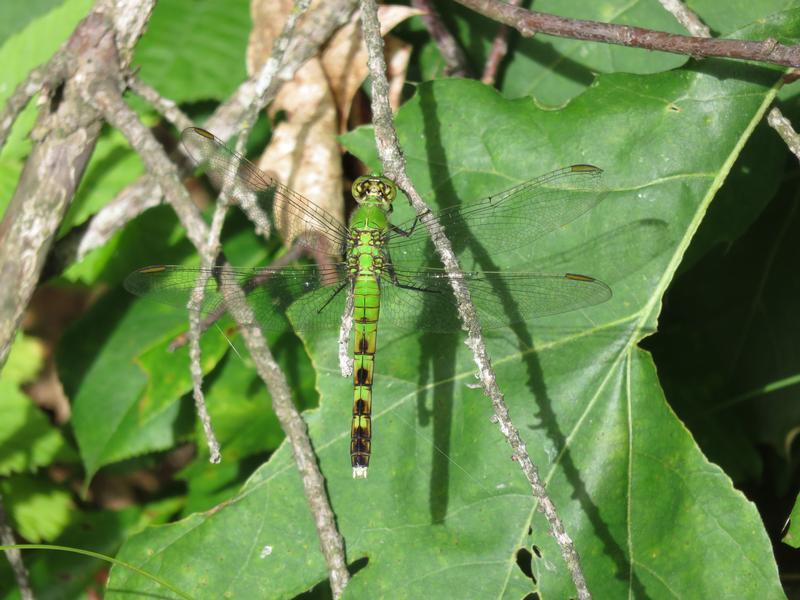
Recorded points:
510,219
297,217
424,299
314,297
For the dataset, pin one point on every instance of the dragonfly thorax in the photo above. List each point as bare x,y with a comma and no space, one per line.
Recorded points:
376,190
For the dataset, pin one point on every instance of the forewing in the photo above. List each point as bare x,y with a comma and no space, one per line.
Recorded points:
296,217
508,220
302,292
424,299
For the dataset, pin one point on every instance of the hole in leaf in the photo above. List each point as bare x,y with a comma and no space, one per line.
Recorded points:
531,596
524,559
536,551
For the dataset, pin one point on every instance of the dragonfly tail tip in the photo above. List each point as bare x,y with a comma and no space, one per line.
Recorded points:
359,472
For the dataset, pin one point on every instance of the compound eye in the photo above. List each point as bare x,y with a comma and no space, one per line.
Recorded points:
388,191
358,188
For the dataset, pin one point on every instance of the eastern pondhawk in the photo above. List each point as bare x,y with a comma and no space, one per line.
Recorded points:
386,269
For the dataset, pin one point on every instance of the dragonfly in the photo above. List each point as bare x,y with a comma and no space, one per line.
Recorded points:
389,272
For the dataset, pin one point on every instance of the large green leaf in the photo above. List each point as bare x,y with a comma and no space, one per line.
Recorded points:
101,371
444,511
194,49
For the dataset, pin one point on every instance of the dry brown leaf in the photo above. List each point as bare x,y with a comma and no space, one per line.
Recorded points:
398,55
345,57
304,153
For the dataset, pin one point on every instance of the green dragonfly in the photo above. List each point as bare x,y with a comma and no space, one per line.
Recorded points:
388,271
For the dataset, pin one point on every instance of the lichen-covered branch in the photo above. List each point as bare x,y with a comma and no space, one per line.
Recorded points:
394,168
64,137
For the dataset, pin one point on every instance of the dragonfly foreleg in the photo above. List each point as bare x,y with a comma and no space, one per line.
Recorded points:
396,281
406,233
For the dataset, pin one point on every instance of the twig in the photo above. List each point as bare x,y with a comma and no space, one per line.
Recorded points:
14,556
784,128
529,22
454,58
165,107
211,249
345,358
394,167
108,100
498,51
38,78
687,18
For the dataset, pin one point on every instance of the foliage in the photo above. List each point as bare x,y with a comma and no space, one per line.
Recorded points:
653,457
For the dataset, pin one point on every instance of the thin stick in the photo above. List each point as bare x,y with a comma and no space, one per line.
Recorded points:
211,249
687,18
165,107
529,22
394,167
455,61
784,128
345,358
108,100
37,79
14,556
498,51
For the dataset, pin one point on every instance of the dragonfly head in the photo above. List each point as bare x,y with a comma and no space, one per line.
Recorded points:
374,189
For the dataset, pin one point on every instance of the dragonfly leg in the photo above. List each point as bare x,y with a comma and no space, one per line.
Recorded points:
333,295
406,233
396,281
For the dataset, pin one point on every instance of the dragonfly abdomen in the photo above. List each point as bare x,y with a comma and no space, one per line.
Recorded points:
366,309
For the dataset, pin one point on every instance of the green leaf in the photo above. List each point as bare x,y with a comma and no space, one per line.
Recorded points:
27,439
792,536
38,509
444,511
195,49
104,363
112,167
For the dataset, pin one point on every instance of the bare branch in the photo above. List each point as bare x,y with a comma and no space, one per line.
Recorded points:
131,202
14,556
529,22
165,107
109,101
784,128
498,51
454,58
394,167
41,77
687,18
345,358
